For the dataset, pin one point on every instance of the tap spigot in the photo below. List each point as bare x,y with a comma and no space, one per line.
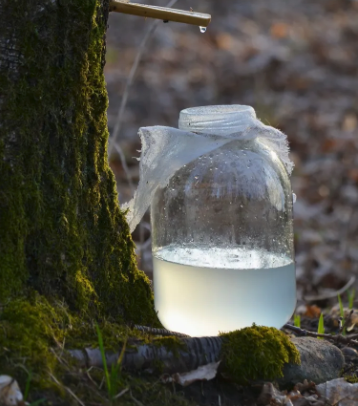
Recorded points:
162,13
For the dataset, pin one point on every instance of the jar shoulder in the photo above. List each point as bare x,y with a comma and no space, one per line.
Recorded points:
237,168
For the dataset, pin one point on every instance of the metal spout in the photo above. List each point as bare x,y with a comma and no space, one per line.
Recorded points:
161,13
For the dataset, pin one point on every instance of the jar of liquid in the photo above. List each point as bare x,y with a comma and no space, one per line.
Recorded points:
222,235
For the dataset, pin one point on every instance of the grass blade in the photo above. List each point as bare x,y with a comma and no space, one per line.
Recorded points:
341,310
115,370
351,293
297,320
104,361
37,402
28,383
320,326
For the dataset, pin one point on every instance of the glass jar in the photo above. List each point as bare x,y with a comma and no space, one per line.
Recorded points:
222,235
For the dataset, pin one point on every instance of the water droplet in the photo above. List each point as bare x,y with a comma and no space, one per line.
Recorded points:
202,29
196,177
294,197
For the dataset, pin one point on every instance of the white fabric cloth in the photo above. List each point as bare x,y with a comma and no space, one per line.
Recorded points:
166,149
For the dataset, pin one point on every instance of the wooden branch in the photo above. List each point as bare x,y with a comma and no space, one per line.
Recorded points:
320,360
331,295
190,354
337,338
159,331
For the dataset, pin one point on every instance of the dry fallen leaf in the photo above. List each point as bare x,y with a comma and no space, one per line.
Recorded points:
10,393
339,392
203,373
350,315
272,396
311,311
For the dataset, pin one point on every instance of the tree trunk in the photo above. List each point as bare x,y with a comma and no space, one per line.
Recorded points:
62,233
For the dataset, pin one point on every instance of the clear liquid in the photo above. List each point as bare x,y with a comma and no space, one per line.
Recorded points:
202,292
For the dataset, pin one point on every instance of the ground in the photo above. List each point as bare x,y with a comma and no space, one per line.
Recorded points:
296,63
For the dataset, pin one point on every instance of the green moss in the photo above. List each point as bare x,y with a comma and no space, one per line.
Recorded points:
29,328
33,331
257,353
170,343
351,378
34,339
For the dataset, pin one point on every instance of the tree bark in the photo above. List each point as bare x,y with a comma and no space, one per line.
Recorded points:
62,232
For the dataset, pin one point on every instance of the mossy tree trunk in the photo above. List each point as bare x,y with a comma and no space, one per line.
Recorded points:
62,233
